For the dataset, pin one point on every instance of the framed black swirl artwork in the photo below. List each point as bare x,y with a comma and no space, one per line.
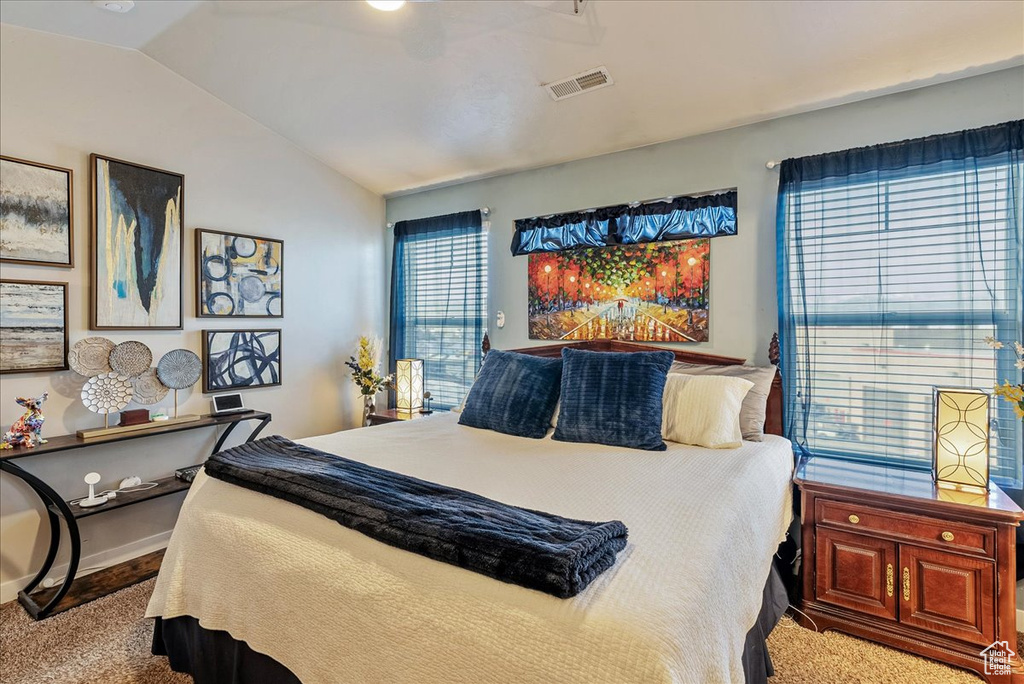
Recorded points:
241,359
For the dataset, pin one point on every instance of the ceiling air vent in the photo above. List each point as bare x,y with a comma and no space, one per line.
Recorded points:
577,84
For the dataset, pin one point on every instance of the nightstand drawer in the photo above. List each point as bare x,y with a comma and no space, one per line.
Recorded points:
955,536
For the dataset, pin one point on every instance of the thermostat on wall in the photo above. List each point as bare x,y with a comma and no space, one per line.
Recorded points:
228,403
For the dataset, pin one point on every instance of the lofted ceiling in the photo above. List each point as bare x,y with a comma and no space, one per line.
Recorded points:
444,91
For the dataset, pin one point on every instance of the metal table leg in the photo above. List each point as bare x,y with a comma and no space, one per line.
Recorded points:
231,426
223,437
259,428
55,506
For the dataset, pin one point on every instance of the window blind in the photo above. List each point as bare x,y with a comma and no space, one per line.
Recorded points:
439,301
889,281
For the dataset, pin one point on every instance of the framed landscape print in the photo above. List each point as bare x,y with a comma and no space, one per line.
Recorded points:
240,359
137,246
655,292
239,275
33,326
36,213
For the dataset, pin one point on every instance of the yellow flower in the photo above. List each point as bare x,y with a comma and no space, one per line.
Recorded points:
1010,392
365,357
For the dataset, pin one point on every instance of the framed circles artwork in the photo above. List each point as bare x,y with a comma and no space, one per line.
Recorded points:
239,275
33,326
137,246
36,213
241,359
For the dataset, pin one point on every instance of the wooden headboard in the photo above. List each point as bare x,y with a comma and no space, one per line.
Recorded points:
773,417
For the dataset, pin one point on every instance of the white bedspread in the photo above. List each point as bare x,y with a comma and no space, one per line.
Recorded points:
335,606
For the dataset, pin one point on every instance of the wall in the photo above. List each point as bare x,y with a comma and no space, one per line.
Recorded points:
743,304
743,295
64,98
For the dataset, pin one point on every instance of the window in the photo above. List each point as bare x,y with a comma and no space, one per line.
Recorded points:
895,262
439,301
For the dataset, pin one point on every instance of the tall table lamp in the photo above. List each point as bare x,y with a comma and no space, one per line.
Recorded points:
409,385
962,439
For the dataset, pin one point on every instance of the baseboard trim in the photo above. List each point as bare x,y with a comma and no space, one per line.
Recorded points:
103,559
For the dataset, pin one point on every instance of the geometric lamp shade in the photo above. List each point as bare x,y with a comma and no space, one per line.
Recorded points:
961,451
409,385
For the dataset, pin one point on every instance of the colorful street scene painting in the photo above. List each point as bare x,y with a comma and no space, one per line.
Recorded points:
655,292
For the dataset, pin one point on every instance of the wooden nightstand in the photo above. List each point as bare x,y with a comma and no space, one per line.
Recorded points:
888,556
382,416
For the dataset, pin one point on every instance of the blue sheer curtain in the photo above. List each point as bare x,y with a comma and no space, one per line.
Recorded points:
894,263
439,301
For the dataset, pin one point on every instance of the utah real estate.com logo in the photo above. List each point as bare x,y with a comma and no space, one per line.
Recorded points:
997,658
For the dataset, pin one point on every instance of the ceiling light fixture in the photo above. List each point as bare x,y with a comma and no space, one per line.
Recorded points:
119,6
386,5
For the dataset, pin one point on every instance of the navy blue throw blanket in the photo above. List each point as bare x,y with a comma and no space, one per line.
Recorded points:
536,550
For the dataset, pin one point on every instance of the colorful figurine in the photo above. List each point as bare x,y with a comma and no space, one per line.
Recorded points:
27,431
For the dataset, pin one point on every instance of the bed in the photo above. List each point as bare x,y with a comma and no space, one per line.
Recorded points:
255,589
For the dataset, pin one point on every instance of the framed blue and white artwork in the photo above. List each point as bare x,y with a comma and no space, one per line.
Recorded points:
33,326
239,275
137,246
241,359
36,213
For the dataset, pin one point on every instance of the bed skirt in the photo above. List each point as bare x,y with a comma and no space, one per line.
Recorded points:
215,657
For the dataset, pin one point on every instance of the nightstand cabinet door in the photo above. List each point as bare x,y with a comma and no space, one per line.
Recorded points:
948,594
856,572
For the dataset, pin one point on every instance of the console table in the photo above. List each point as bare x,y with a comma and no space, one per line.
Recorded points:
56,507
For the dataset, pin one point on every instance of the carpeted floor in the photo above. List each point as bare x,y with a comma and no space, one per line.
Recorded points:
107,642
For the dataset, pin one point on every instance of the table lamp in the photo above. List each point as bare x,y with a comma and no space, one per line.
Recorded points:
962,439
409,385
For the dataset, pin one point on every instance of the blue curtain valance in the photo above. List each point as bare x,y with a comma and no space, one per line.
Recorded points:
977,143
681,218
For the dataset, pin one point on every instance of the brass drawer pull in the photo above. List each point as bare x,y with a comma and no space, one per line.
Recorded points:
906,584
854,519
947,536
889,579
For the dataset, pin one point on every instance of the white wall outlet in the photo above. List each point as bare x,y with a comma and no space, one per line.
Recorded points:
500,319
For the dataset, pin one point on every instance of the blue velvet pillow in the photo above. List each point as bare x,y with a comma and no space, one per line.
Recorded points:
613,398
514,393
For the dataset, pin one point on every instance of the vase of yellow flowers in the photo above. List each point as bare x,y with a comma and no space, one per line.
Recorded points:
1009,391
366,375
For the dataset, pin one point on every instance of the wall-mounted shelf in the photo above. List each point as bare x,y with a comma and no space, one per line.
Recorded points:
57,508
164,486
68,442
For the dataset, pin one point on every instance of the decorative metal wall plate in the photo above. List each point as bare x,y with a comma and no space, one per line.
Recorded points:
179,369
91,356
107,393
131,358
147,388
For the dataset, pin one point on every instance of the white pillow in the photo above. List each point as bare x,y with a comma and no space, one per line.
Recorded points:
703,410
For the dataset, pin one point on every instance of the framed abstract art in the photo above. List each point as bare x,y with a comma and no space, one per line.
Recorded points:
239,275
653,292
137,246
33,326
36,213
241,359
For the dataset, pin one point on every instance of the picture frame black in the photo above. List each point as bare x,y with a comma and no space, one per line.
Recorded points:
250,359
